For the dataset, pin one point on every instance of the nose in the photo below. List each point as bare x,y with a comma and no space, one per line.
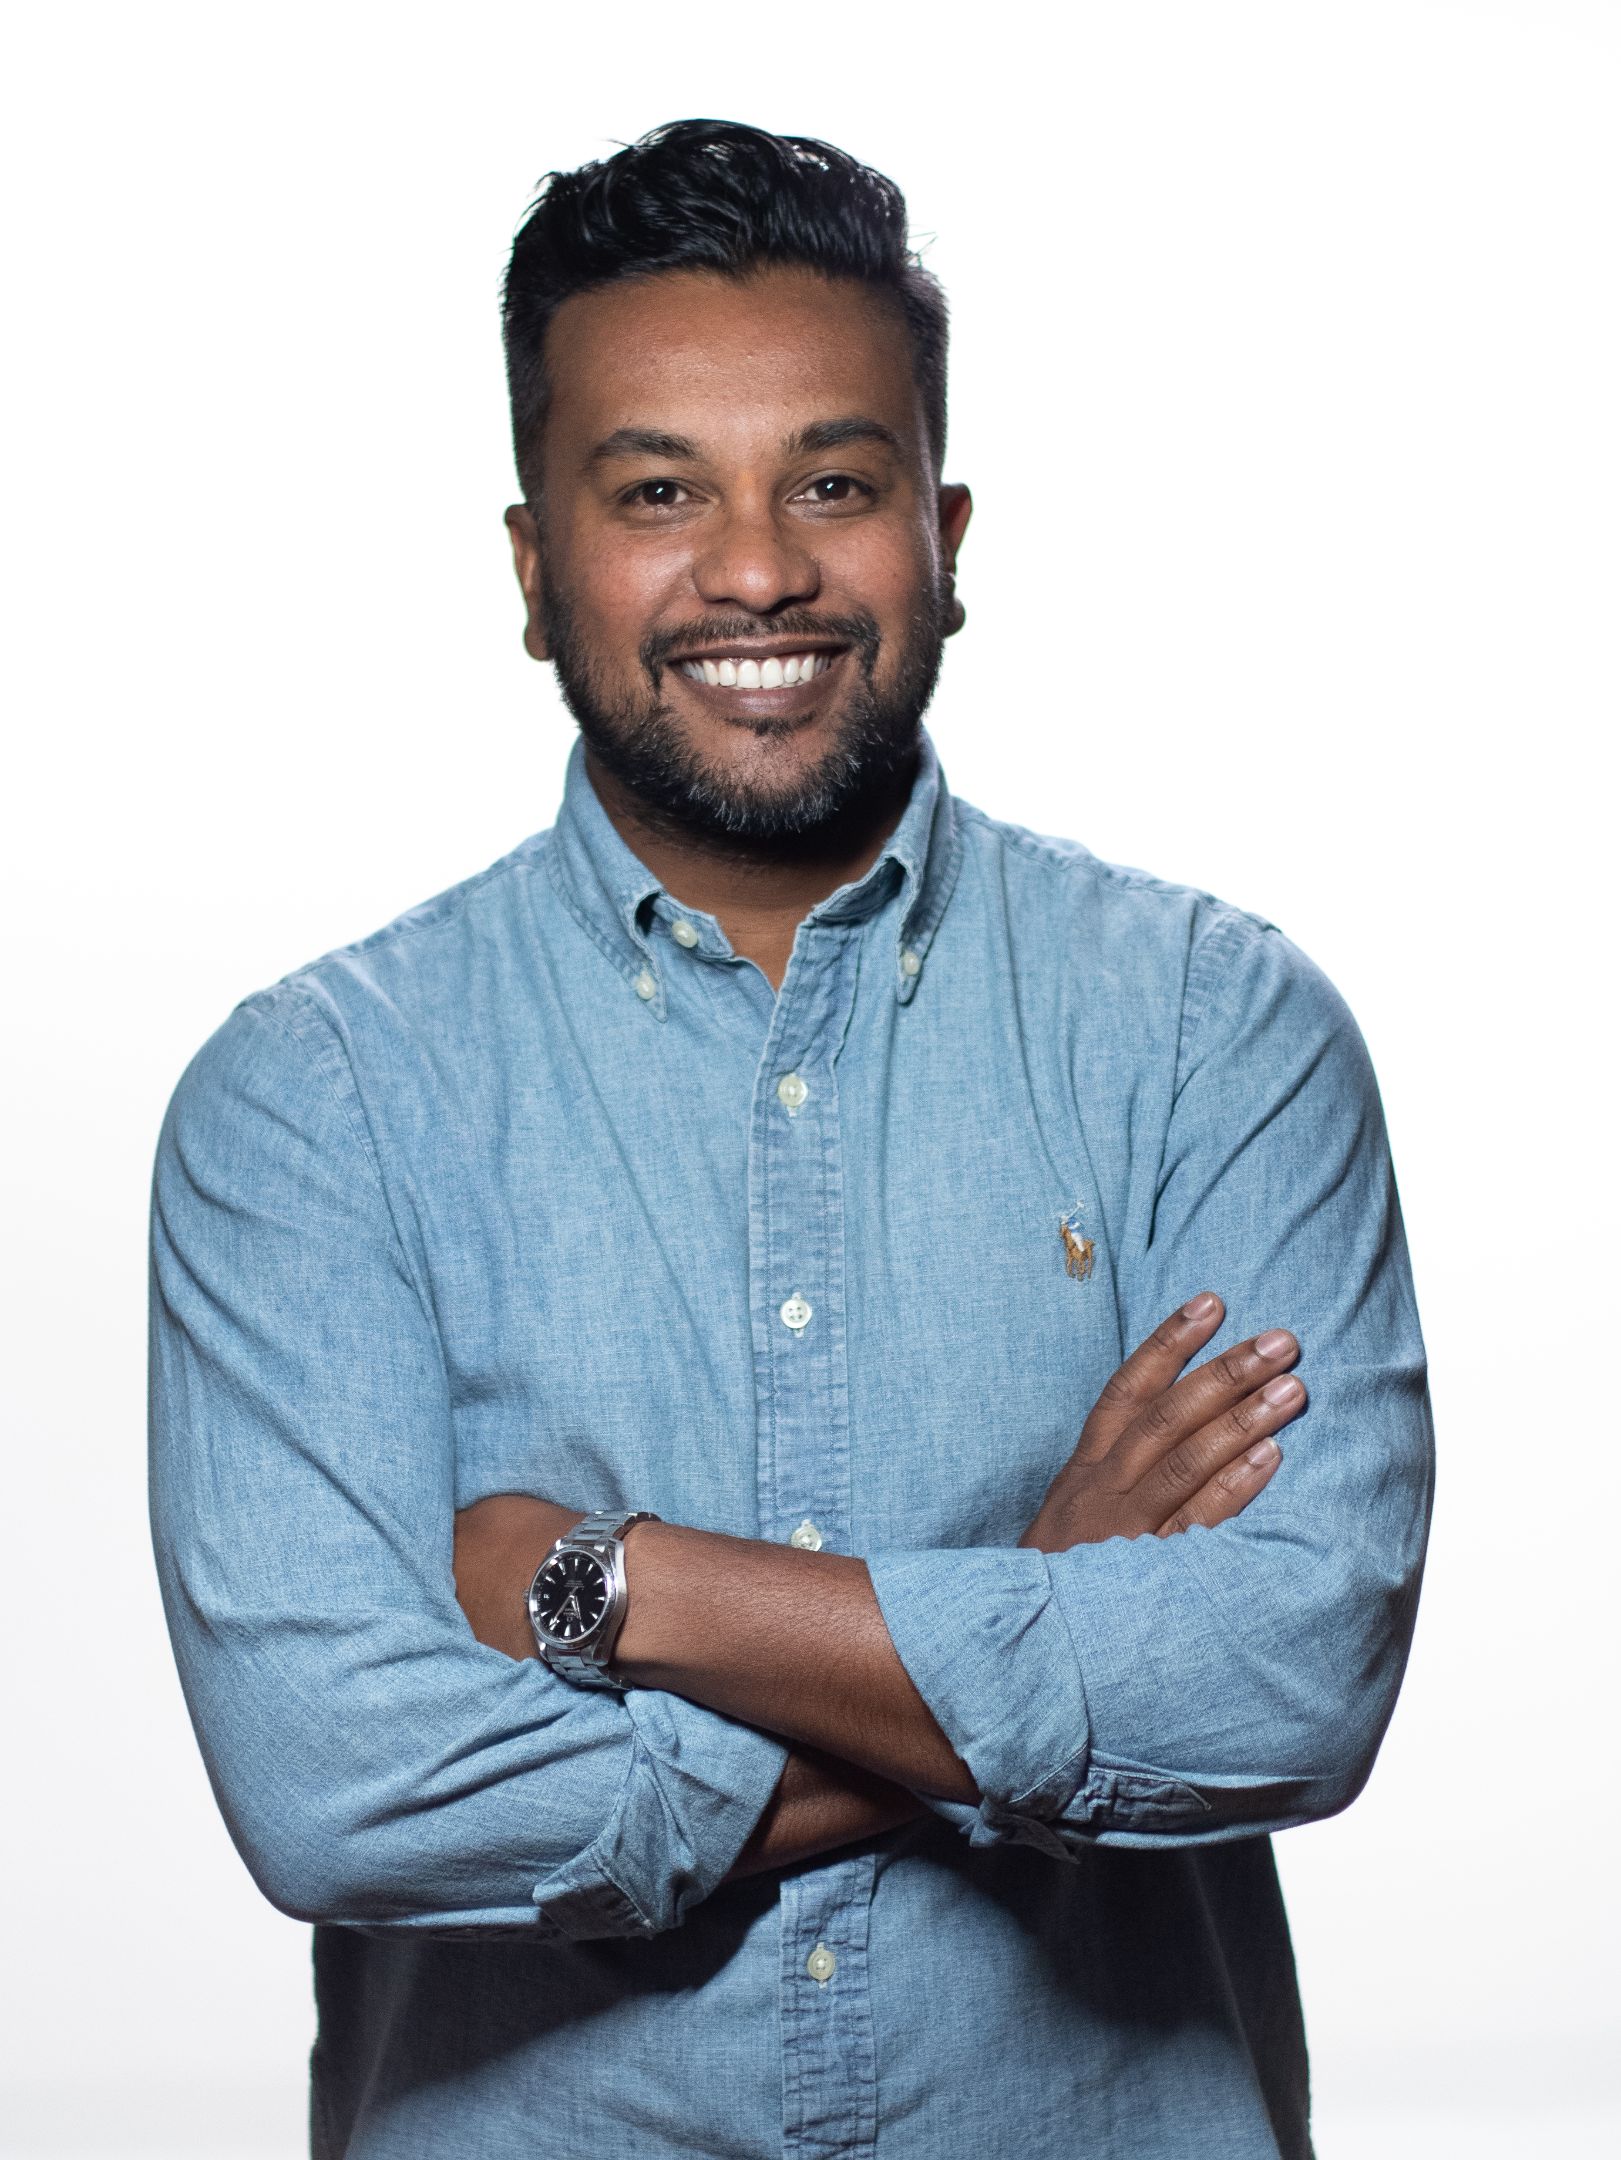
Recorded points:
754,559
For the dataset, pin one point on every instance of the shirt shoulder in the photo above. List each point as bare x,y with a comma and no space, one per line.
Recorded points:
1153,952
447,954
1047,872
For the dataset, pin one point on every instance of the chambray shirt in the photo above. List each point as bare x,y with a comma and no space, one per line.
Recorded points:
542,1188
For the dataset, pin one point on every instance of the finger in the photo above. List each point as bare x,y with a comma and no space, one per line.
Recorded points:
1197,1400
1228,1493
1222,1444
1148,1372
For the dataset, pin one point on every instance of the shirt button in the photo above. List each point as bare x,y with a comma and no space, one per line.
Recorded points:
795,1313
683,932
822,1964
791,1091
910,962
644,985
807,1537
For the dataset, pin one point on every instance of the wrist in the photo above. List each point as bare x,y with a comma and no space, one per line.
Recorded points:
643,1653
498,1544
821,1804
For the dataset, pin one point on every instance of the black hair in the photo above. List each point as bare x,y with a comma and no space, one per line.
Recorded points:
711,195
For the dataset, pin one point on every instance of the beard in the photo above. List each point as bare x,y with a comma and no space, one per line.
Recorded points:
864,773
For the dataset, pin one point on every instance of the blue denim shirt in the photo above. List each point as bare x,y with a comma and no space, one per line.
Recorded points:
511,1196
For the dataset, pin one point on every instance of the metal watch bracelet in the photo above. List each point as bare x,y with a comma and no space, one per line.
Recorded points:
602,1534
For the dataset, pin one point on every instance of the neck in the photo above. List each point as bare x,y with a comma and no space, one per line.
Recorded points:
759,892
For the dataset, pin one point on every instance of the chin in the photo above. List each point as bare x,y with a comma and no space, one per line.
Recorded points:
812,773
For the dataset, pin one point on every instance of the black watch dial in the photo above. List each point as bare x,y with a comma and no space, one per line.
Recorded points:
570,1596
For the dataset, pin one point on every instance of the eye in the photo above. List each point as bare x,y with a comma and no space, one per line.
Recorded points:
654,495
835,490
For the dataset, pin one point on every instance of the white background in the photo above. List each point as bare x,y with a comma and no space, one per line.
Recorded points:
1285,371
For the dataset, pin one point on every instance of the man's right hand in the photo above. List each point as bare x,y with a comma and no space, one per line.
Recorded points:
1159,1454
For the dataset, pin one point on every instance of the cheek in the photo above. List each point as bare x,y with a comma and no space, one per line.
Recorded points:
618,593
613,575
883,568
899,592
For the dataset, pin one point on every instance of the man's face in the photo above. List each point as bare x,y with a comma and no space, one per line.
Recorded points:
741,562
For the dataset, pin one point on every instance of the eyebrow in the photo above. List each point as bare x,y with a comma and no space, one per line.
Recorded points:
811,441
834,434
643,442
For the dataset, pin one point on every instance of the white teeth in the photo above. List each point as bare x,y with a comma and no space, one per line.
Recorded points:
772,674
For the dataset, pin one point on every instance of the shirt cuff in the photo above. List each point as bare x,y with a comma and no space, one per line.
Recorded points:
988,1647
696,1785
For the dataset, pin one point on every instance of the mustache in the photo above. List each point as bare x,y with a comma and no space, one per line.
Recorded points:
860,631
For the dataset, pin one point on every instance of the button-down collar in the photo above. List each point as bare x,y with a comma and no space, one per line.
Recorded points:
615,898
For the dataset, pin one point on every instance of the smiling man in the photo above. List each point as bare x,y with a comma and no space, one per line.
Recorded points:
716,1387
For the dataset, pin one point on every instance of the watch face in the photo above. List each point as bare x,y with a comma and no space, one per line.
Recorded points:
570,1596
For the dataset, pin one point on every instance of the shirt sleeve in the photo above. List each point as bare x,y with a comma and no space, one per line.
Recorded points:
1234,1680
376,1765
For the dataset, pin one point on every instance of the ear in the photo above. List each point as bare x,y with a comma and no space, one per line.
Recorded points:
527,563
956,508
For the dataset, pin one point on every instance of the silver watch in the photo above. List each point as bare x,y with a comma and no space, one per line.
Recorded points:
578,1598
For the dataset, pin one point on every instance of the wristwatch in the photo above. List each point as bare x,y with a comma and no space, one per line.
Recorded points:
578,1599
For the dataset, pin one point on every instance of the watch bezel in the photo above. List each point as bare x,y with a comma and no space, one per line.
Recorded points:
605,1564
595,1644
599,1536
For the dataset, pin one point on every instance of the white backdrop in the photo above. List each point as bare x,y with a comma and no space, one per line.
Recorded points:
1287,343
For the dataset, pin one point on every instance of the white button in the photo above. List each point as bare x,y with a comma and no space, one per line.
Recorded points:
683,932
645,986
791,1091
807,1537
910,963
822,1964
795,1313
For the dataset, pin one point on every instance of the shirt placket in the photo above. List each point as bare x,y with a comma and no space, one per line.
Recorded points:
796,1270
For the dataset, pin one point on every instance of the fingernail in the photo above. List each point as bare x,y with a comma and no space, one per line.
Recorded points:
1274,1342
1262,1452
1280,1391
1201,1307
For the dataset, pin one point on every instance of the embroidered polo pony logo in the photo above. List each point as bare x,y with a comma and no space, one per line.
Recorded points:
1077,1246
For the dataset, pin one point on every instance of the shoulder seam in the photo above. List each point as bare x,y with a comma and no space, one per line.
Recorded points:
265,1005
1206,965
321,1044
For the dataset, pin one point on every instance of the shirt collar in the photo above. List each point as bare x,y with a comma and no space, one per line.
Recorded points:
608,889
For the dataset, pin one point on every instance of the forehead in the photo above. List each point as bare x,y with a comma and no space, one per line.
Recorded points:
724,359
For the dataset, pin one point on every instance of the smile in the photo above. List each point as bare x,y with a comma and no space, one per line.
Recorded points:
777,672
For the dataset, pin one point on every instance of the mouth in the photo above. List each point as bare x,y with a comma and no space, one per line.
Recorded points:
759,681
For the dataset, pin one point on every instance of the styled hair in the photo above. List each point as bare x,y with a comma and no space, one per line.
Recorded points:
711,195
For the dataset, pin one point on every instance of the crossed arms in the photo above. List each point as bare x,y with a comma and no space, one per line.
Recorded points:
1157,1455
380,1764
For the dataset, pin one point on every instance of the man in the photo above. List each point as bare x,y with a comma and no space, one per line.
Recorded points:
621,1334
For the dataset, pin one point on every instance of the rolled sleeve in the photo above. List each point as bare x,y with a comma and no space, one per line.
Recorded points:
376,1765
696,1786
1232,1680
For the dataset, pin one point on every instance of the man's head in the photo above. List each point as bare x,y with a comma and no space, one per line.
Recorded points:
728,399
